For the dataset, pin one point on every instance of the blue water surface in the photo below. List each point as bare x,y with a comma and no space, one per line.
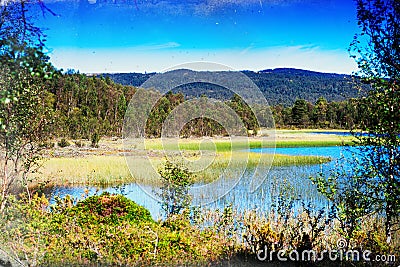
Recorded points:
326,151
276,178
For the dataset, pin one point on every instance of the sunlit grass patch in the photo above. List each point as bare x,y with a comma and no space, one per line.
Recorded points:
94,170
279,138
263,159
208,156
112,170
242,160
312,143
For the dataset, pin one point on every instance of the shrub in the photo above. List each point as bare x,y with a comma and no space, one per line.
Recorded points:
95,140
176,181
111,209
105,230
63,143
258,234
46,145
177,222
79,143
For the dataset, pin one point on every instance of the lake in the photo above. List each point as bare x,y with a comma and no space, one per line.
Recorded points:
340,133
293,179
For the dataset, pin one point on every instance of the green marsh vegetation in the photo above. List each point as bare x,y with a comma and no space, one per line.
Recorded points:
106,165
113,230
283,138
103,230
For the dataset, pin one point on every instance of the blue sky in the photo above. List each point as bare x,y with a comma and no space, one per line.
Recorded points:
153,35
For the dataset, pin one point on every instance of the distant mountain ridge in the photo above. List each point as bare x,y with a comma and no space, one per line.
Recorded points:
279,86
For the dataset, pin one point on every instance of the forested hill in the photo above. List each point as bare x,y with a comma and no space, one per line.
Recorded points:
280,86
283,86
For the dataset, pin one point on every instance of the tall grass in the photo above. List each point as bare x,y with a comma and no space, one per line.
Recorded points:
113,170
223,145
209,156
93,170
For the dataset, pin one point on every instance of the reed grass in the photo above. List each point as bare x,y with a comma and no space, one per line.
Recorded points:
227,145
113,170
91,170
209,157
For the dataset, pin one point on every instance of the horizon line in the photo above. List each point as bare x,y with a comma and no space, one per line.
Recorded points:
243,70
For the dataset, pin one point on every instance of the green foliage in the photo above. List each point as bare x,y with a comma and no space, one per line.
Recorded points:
245,112
84,106
319,115
63,143
377,53
95,140
346,114
102,230
177,222
227,223
372,184
279,86
376,48
25,107
300,112
87,233
88,107
25,118
110,209
176,181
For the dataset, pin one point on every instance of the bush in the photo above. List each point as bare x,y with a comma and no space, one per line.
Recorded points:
98,231
46,145
79,143
105,230
63,143
111,209
176,181
95,140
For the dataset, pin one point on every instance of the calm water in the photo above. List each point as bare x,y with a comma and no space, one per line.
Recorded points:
333,152
292,178
335,133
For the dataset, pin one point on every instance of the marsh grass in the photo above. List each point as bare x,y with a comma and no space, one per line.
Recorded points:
113,170
83,236
313,143
93,170
106,165
223,144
